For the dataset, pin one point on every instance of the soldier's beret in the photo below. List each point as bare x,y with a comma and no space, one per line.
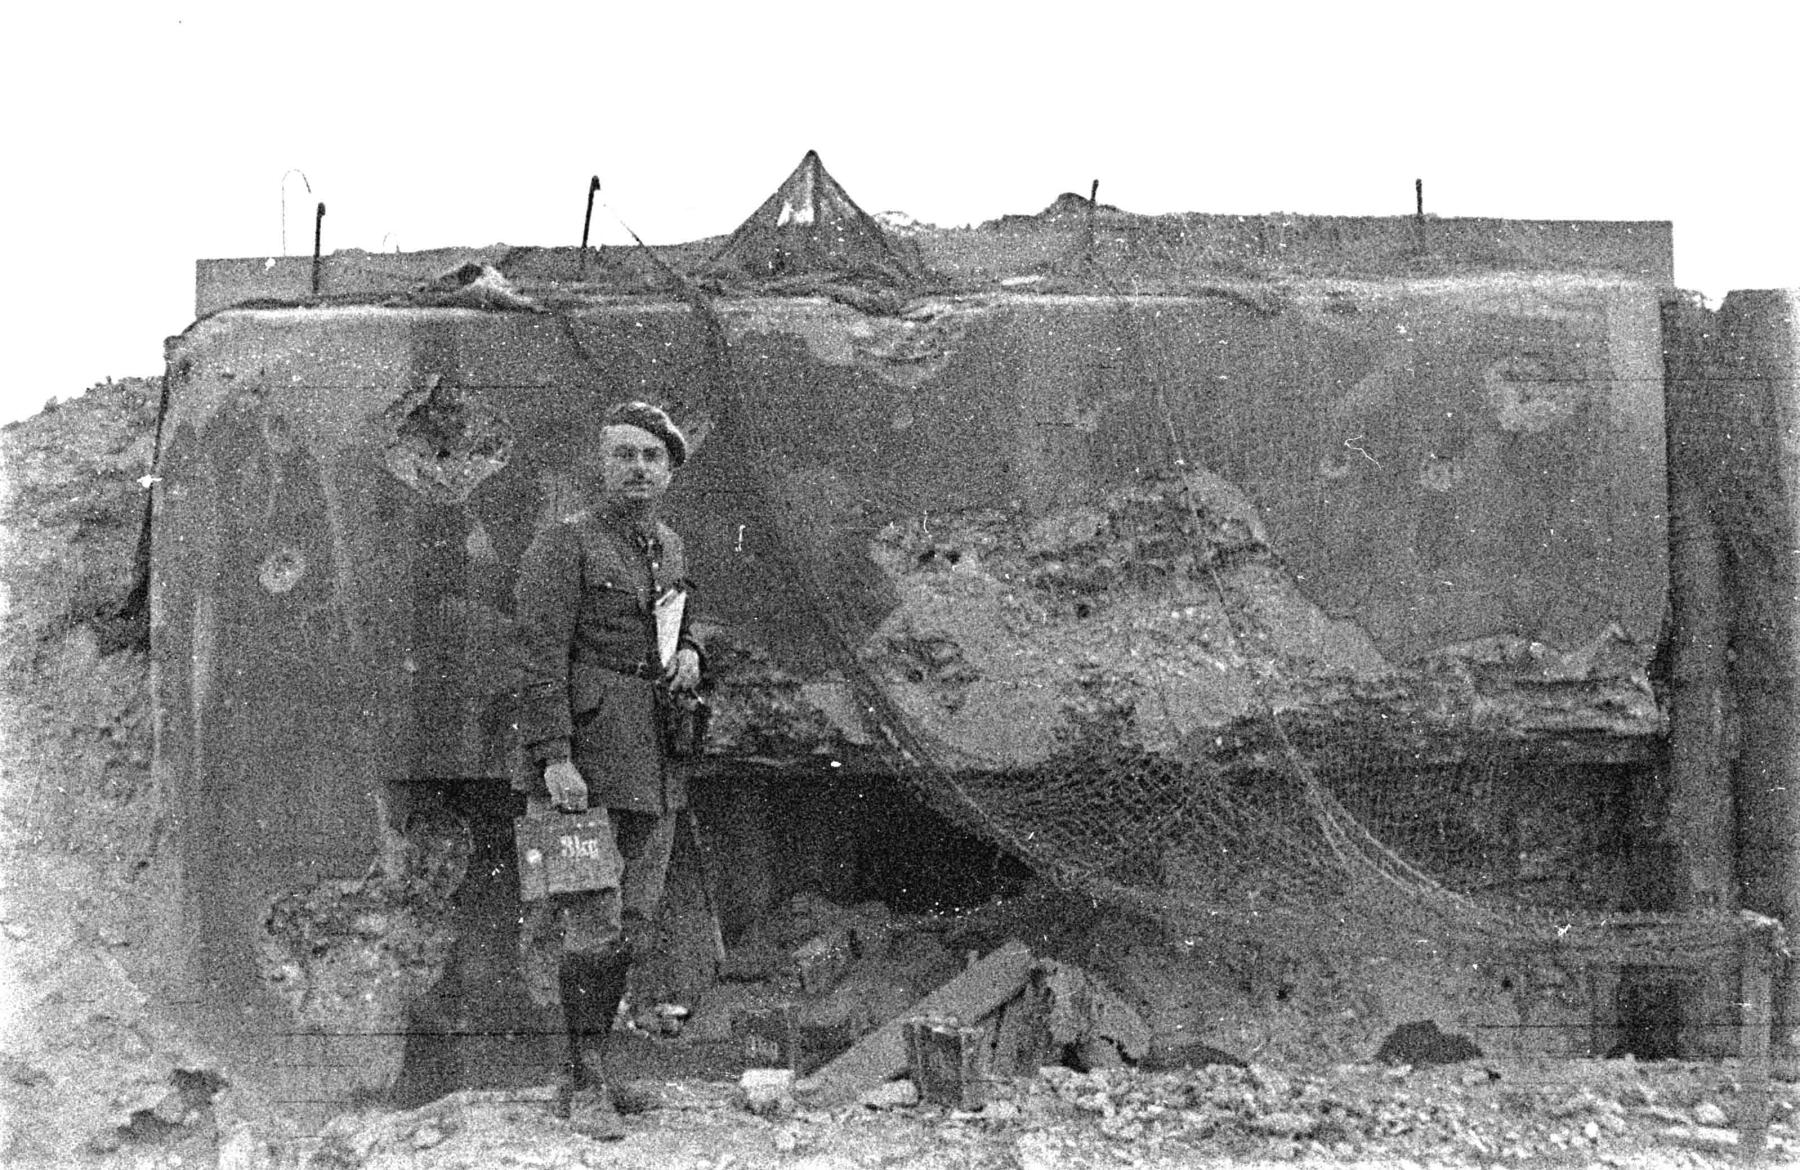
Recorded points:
653,419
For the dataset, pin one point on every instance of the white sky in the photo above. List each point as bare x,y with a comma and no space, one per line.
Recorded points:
139,137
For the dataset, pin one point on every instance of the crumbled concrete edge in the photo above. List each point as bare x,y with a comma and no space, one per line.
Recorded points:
351,955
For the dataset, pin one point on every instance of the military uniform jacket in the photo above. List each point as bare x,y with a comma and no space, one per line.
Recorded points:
587,630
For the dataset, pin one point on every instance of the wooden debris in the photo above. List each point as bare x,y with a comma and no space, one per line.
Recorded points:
770,1036
1087,1014
781,1036
882,1054
1022,1042
949,1062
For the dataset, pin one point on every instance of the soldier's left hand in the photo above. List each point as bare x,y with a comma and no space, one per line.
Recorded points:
683,674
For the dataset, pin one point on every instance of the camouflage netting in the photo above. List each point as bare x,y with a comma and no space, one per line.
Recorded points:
1048,687
1134,696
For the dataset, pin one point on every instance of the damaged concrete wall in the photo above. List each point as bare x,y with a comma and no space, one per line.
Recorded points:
1436,463
1393,472
341,504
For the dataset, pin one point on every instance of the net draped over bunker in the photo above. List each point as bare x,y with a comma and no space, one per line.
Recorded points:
1159,552
1130,691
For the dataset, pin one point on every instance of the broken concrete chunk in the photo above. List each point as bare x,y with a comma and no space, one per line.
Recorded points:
1288,1125
767,1090
1702,1137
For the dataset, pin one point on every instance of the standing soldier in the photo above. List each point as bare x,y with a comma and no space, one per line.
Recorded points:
594,588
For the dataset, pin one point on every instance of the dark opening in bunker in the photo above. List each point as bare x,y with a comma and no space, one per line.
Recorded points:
849,836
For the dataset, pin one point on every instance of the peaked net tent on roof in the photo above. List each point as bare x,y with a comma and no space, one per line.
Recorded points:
810,227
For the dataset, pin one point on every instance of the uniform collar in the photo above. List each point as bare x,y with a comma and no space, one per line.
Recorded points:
642,528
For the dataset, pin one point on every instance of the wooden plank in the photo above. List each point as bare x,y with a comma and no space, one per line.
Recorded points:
1022,1034
881,1054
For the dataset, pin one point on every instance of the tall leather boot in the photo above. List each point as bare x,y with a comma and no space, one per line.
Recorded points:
592,987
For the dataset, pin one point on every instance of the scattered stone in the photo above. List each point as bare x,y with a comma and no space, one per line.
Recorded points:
427,1136
790,1141
1037,1151
1706,1113
1571,1106
1271,1082
172,1109
105,1142
1121,1128
22,1073
767,1090
1702,1137
1000,1112
1288,1125
241,1149
1664,1113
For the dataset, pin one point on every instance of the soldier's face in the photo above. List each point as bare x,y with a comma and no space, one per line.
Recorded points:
634,465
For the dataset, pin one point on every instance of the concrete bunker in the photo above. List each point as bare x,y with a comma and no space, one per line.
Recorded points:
1021,575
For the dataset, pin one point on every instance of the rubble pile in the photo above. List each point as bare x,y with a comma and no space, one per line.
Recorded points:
74,665
1512,1114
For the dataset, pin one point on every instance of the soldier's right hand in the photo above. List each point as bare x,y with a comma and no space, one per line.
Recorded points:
568,791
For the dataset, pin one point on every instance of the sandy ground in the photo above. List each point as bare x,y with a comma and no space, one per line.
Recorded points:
99,1072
